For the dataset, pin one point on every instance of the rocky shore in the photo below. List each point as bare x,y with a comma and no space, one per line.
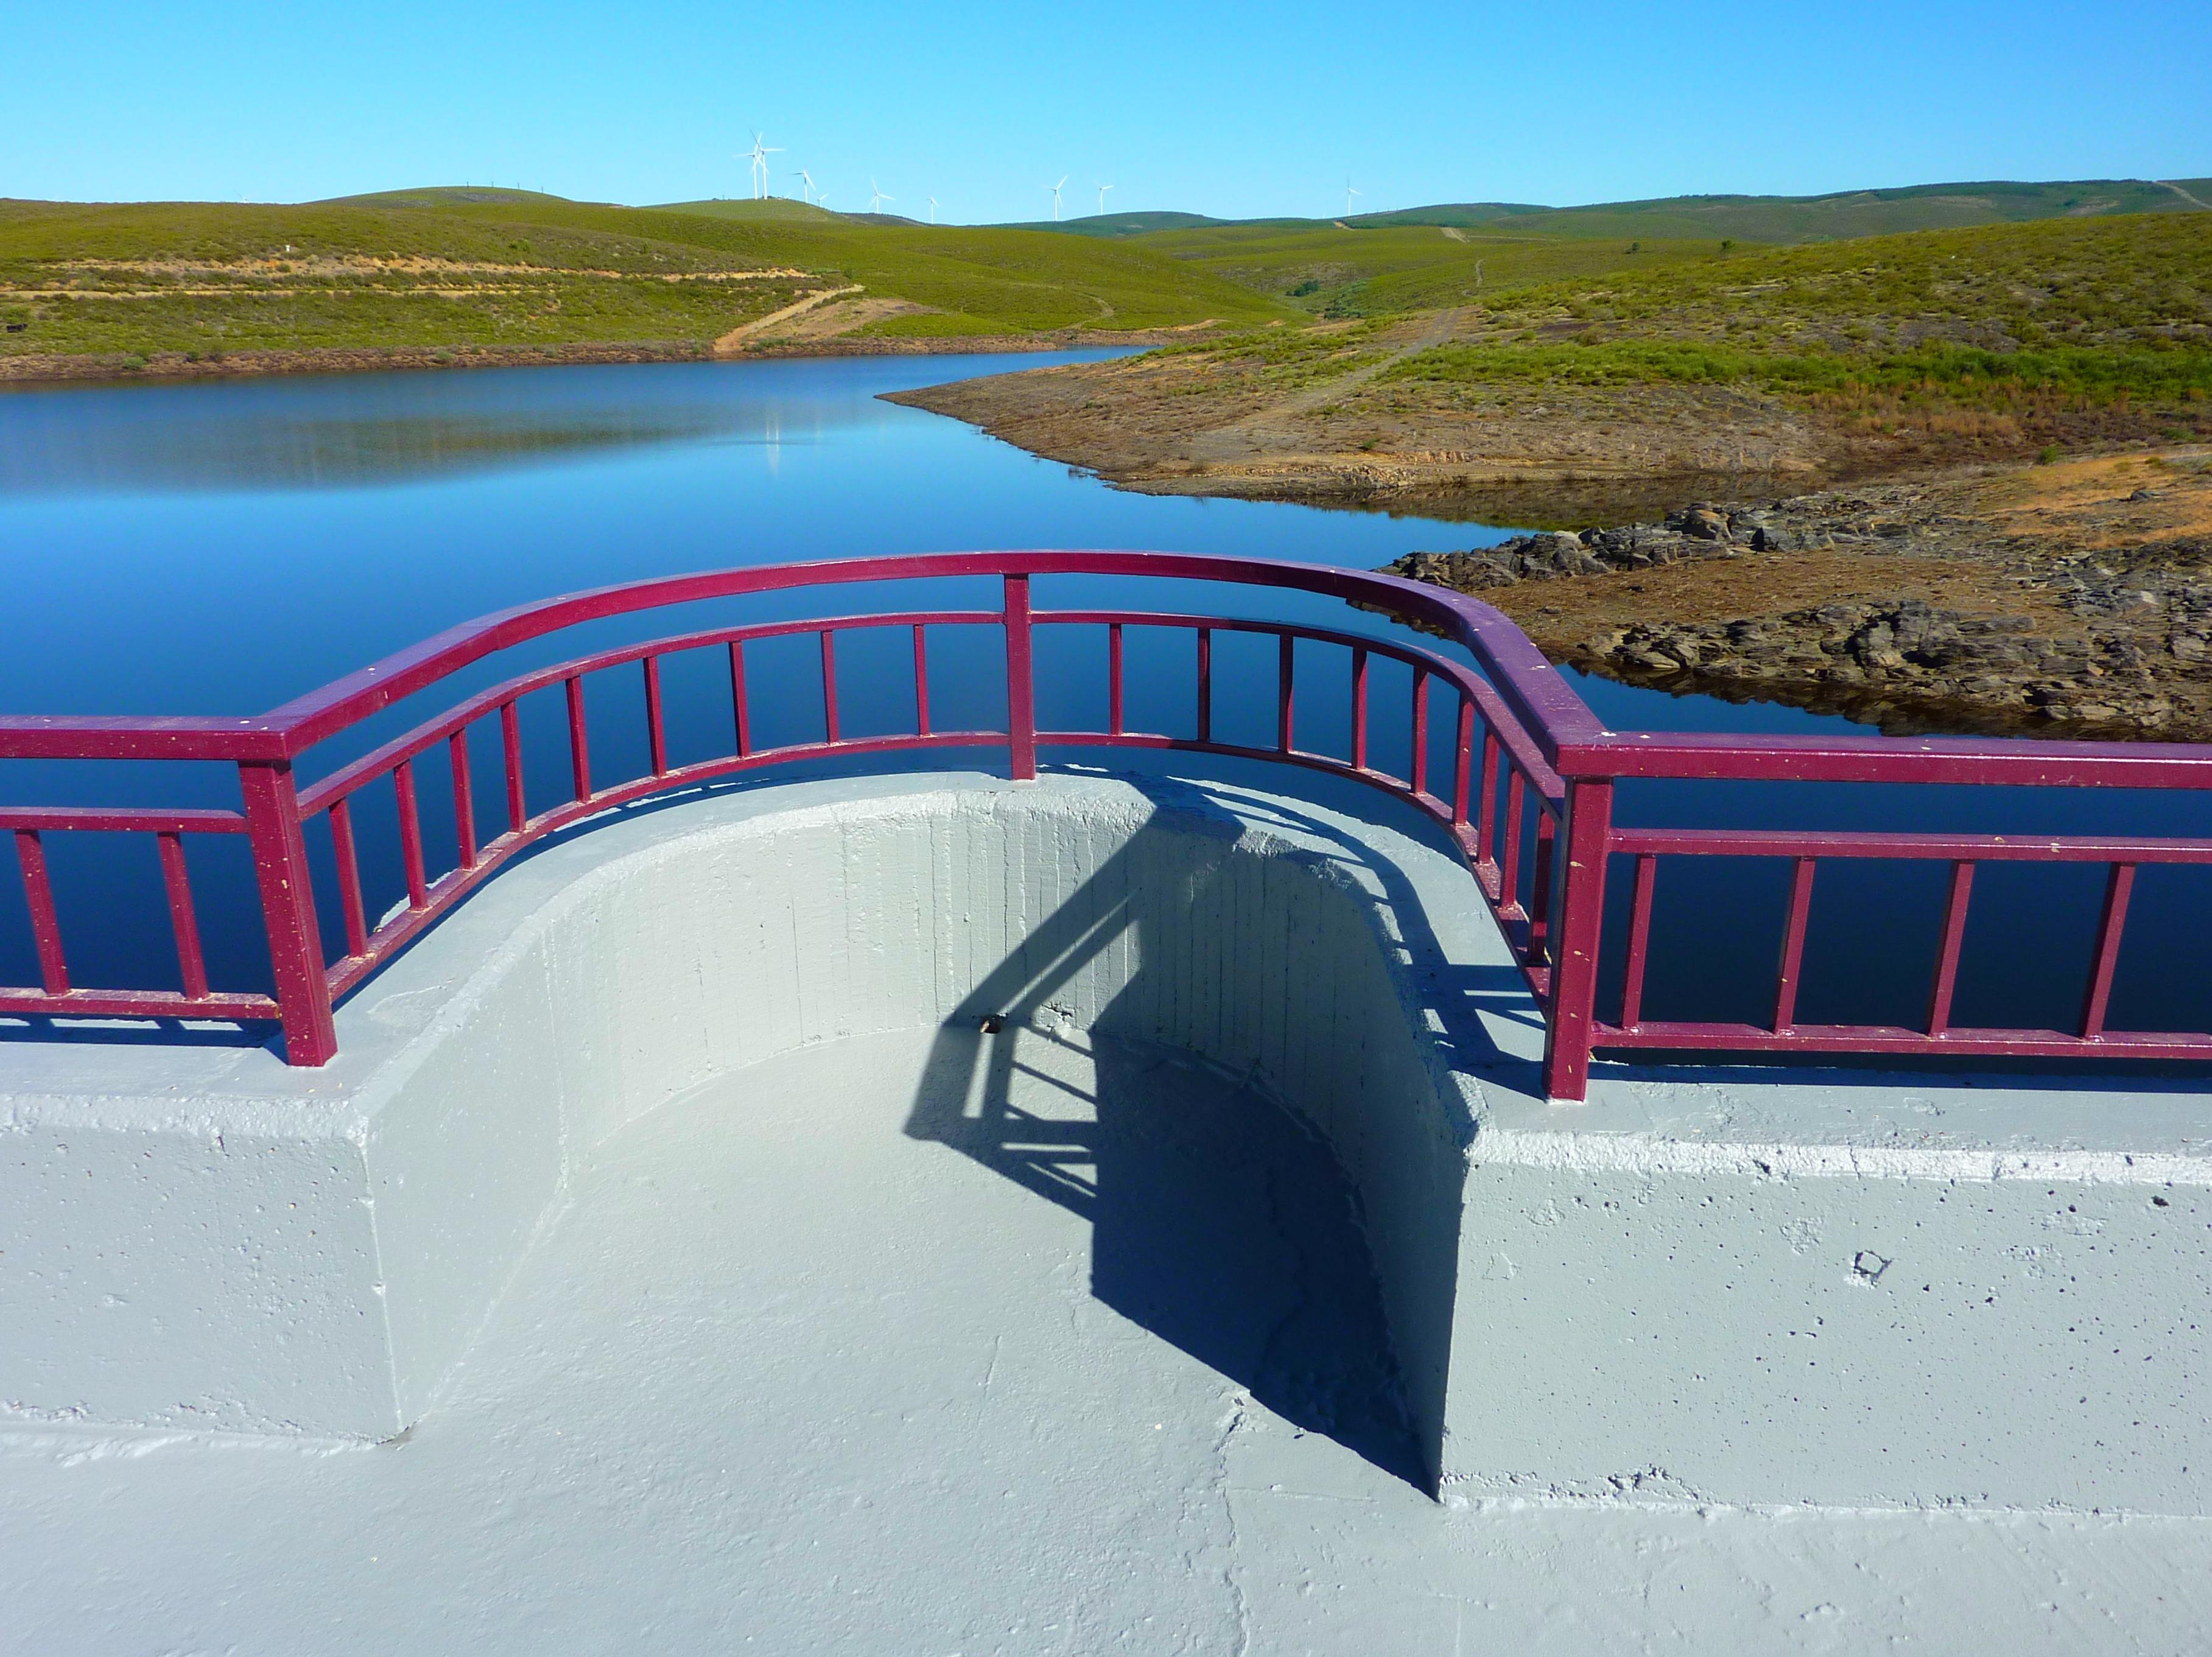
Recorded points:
2072,599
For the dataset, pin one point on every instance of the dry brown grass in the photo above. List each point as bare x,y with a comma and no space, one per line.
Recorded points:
2052,502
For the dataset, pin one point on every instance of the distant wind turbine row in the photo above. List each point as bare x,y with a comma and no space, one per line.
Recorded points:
808,190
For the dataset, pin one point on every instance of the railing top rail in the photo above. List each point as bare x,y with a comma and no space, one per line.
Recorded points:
408,744
1539,696
1700,756
1531,686
111,736
1881,843
1559,725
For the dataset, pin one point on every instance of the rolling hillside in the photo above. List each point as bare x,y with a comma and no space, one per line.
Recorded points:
1846,214
1842,214
484,270
1378,264
468,268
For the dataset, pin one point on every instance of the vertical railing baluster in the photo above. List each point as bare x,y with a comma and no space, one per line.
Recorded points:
2117,886
1206,685
1285,655
348,863
1462,760
828,685
739,712
1540,887
1417,773
510,737
1358,708
1117,710
656,733
1793,945
464,799
1021,683
1570,1007
1508,850
1946,955
580,751
1486,810
288,911
921,683
45,921
411,835
177,882
1639,941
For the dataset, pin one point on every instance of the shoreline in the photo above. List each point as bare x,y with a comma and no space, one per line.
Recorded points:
115,368
2068,600
1970,594
2052,577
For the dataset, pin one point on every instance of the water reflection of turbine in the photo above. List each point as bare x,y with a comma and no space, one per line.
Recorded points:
772,439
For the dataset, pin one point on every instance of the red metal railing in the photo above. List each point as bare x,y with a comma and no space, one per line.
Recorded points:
1528,799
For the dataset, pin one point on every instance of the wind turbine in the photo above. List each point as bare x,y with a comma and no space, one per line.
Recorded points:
806,182
933,209
1102,189
875,195
1349,193
1055,189
758,157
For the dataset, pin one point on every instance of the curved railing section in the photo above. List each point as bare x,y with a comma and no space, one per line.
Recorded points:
1526,795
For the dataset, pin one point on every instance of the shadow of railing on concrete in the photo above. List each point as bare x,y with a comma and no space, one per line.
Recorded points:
1223,1220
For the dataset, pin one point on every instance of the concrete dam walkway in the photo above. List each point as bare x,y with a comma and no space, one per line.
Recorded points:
780,1375
1160,1246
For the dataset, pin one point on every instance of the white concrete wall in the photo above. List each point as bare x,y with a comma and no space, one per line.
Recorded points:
179,1274
1858,1311
1160,920
640,959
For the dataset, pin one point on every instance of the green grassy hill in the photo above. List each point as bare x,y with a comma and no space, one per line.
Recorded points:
1847,213
470,265
460,266
775,210
975,279
1135,224
2094,310
1337,272
1424,257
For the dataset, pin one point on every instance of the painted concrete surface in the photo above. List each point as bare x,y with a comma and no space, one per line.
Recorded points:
1741,1341
784,1373
635,961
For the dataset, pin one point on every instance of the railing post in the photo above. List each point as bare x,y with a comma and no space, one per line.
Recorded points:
1021,683
288,910
1577,929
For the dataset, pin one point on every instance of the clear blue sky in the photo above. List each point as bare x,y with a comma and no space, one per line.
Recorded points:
1231,110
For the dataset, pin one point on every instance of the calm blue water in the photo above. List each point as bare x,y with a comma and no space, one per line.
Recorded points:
220,548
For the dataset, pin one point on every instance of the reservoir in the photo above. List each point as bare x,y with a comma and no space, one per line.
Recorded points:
218,548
